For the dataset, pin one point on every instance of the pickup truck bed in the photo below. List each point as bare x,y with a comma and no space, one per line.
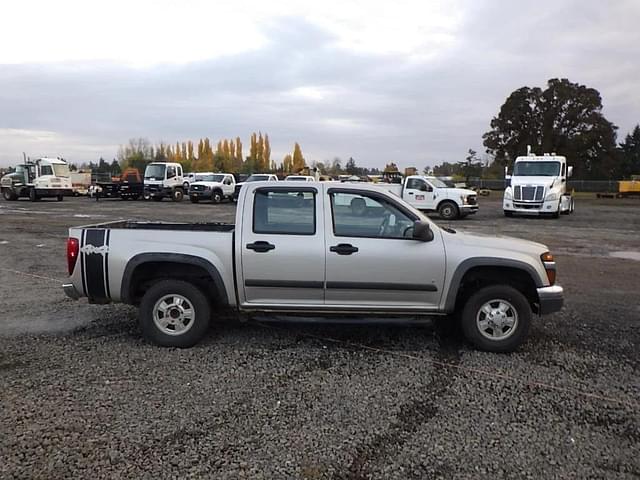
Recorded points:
313,248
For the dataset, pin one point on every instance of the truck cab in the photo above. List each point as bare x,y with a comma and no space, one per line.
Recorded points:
163,179
538,186
46,177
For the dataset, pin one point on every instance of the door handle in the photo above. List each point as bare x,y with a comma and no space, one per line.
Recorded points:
343,249
260,246
410,193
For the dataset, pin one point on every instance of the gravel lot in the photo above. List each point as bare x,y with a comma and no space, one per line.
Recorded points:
83,396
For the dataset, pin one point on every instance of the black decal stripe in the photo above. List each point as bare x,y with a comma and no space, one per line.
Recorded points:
282,284
382,286
82,266
95,265
106,265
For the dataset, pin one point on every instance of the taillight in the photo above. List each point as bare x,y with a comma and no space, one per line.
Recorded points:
549,266
73,248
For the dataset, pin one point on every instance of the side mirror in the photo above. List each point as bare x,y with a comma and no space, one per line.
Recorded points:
569,171
422,231
506,171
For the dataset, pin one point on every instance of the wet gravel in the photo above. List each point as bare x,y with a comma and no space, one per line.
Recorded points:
83,396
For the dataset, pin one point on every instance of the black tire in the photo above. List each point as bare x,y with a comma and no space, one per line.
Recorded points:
33,196
9,195
194,199
216,196
448,210
472,316
136,197
508,213
556,214
199,323
60,198
177,195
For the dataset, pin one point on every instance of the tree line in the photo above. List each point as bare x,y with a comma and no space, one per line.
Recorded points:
565,118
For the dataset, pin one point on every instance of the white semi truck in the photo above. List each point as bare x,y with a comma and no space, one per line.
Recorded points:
44,177
538,186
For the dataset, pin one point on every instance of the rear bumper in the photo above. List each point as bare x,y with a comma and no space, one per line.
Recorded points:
551,299
70,291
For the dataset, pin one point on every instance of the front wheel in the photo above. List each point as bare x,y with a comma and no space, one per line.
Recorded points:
216,197
33,196
448,210
9,195
508,213
174,313
496,318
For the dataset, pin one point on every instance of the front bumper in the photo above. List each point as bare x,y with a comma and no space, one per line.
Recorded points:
551,299
70,291
530,208
200,194
54,192
467,209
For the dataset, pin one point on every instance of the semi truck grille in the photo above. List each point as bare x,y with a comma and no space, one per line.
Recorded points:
528,193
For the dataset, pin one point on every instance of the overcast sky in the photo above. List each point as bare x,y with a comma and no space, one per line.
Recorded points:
413,82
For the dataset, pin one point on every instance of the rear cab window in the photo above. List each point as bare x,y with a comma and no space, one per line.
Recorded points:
290,211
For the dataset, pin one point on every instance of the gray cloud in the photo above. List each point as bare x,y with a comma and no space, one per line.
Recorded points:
301,87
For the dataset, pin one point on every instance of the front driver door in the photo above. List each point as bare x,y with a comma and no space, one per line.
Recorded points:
417,193
372,260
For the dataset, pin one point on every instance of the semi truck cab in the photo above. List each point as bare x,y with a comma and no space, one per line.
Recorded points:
538,186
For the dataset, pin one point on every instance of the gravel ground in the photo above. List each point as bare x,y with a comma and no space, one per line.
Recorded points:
83,396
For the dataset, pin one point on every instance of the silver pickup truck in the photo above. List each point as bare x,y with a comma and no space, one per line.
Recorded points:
314,249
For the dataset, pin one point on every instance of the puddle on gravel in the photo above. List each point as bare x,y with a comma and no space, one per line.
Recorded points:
627,255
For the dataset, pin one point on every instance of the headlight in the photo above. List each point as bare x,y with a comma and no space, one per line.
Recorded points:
550,197
464,199
507,194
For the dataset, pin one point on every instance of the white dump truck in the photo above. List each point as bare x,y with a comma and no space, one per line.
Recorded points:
538,186
44,177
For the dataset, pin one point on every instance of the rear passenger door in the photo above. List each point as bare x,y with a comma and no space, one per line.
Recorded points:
282,247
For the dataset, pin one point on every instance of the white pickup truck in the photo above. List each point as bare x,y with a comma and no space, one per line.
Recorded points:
314,249
215,187
432,195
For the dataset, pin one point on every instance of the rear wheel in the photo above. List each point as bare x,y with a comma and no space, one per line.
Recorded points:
448,210
496,318
174,313
177,195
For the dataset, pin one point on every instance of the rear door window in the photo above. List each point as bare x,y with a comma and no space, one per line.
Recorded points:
285,212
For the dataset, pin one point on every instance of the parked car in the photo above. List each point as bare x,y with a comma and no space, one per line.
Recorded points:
304,249
215,187
256,177
189,178
299,178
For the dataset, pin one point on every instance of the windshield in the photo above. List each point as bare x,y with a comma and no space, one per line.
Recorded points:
61,170
536,169
155,171
437,183
257,178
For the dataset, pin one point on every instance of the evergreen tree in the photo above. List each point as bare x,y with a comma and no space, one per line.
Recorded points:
630,154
